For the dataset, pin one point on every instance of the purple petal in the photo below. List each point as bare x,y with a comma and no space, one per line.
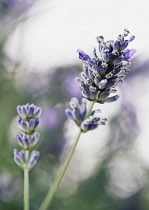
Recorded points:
69,114
112,99
129,53
83,55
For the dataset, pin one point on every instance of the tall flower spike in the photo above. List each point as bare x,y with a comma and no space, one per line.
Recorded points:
102,74
28,121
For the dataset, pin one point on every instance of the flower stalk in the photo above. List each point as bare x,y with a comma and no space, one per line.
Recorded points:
48,199
28,121
26,182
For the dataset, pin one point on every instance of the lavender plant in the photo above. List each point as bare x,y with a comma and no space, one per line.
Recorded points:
99,79
28,121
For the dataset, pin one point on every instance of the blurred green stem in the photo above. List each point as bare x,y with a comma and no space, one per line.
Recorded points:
53,189
26,183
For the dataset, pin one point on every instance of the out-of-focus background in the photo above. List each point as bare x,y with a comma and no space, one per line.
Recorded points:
38,63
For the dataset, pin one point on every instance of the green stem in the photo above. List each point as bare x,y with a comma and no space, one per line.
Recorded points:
52,190
26,183
90,108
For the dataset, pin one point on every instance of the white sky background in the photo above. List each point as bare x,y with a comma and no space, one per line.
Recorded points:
51,37
59,28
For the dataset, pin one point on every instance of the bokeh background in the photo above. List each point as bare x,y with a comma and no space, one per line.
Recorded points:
38,63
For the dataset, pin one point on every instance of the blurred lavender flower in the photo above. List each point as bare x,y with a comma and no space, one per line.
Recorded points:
27,142
33,159
26,112
70,85
18,5
9,187
102,74
50,118
28,118
20,158
78,111
28,121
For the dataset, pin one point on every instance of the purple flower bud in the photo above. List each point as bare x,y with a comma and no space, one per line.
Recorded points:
77,110
85,69
33,159
83,56
19,157
31,125
31,111
117,60
129,53
69,114
92,122
123,45
111,82
116,45
37,112
19,110
131,38
104,95
97,79
105,55
28,111
112,99
102,84
23,125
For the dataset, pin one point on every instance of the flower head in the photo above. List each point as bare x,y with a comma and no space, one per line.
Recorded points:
92,122
28,121
102,74
77,110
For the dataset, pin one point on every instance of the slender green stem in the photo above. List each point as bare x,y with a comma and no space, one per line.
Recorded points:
90,108
26,184
52,190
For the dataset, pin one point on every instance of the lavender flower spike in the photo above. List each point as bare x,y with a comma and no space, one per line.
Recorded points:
28,121
102,74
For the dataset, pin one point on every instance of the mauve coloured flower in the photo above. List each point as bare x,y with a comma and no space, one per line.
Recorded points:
28,121
70,86
83,56
101,74
77,110
50,118
129,53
